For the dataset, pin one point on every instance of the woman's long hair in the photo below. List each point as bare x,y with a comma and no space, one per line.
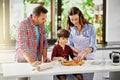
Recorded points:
82,20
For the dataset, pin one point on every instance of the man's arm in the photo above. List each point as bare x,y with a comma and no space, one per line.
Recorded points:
45,46
44,53
28,57
30,60
45,58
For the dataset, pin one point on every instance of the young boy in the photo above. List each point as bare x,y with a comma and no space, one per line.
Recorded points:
61,51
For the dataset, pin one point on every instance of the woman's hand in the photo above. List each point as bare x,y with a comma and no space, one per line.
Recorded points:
81,55
75,59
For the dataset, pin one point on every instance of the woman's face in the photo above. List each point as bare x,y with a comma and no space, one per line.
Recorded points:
74,19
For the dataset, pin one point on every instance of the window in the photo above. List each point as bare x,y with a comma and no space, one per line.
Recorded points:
4,23
16,15
20,9
92,10
13,11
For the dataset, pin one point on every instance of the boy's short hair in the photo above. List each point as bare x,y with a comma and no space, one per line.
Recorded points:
63,33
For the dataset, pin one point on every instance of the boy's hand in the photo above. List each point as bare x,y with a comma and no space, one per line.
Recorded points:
81,56
62,59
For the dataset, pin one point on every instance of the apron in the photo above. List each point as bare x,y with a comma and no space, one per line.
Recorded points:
81,43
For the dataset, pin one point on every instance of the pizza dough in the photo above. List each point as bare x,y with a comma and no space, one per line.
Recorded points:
72,63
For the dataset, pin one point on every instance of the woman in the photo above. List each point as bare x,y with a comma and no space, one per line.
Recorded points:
82,37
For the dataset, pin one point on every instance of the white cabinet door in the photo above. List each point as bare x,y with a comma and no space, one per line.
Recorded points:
41,77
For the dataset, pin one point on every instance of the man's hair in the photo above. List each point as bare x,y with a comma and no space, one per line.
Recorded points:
63,33
38,10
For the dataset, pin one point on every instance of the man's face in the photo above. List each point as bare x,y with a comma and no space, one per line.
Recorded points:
40,20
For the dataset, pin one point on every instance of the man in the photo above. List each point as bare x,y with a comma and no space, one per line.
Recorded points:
31,44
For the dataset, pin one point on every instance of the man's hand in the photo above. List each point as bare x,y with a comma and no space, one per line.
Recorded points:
46,60
36,63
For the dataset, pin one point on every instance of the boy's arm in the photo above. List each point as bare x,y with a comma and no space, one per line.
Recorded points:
54,55
71,53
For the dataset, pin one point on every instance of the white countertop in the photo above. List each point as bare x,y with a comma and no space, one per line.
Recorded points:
26,70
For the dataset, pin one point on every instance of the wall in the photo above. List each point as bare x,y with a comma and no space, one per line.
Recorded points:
1,21
112,21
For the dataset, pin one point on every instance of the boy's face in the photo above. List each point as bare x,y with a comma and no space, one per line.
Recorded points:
63,40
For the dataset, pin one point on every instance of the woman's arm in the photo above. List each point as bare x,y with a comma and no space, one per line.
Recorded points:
75,50
93,42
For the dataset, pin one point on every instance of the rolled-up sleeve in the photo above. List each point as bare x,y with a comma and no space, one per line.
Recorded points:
22,38
93,42
70,42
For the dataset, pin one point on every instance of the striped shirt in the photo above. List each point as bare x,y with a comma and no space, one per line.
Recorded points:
26,40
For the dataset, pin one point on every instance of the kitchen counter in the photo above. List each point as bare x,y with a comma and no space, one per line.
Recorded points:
101,47
26,70
107,47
